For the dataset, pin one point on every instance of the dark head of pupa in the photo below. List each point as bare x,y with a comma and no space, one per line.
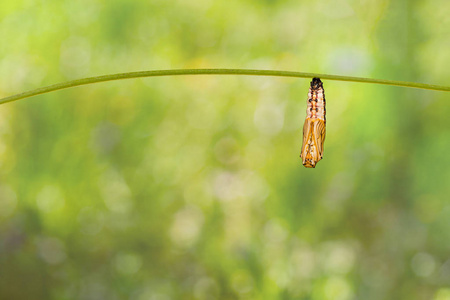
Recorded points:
316,83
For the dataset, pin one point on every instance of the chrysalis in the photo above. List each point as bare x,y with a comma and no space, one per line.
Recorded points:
314,127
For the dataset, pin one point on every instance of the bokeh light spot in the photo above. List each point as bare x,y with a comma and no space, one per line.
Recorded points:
206,288
75,57
337,257
51,250
423,264
269,118
115,191
186,226
127,263
50,198
91,221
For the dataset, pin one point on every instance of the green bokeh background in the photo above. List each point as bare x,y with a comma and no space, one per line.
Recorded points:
191,187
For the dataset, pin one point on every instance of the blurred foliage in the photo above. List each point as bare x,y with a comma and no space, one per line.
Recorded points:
191,187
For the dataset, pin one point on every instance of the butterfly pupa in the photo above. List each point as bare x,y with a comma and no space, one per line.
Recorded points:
314,127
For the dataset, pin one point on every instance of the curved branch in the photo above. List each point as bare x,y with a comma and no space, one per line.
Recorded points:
155,73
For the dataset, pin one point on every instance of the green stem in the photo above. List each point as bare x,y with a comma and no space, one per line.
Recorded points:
89,80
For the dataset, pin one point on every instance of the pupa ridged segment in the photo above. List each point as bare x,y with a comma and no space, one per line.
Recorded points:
314,127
